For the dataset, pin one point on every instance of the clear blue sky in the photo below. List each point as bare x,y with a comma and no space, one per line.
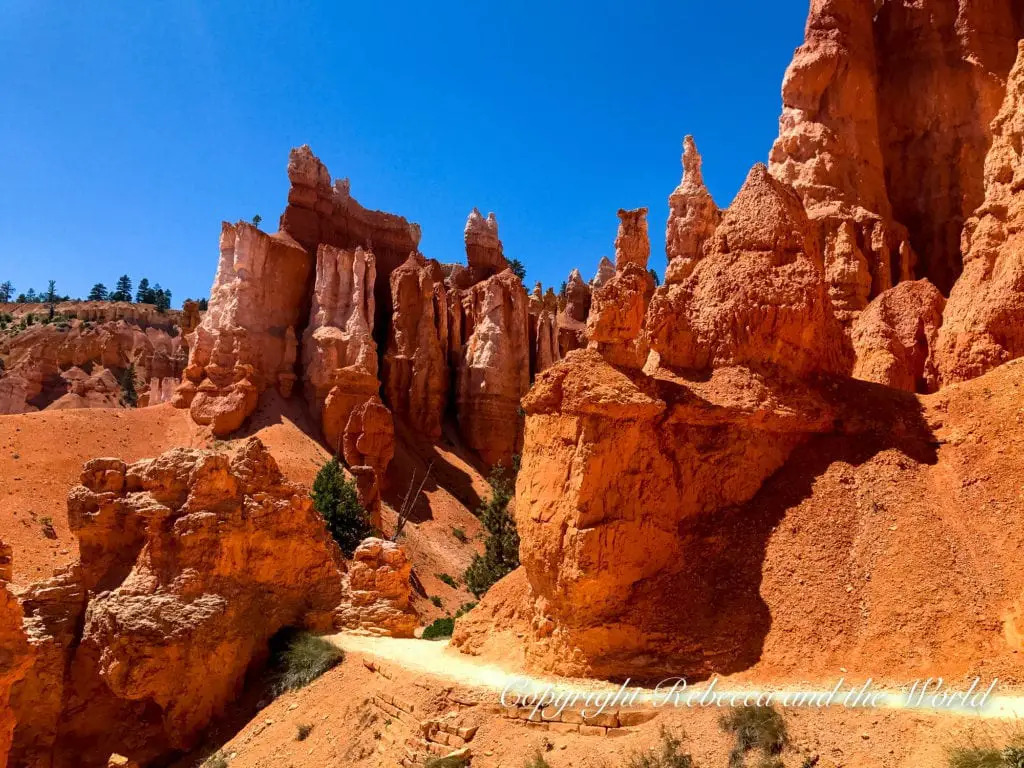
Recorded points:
130,130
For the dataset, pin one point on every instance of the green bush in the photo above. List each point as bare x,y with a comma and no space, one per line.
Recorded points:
464,609
436,601
459,534
446,762
668,755
335,499
216,760
302,731
440,629
447,580
304,658
755,728
501,551
975,757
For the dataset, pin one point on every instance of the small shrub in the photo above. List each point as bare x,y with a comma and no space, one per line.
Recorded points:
460,534
305,657
464,609
335,499
669,755
129,393
448,580
1013,755
436,601
760,728
537,762
48,530
809,762
975,757
440,629
446,762
216,760
302,731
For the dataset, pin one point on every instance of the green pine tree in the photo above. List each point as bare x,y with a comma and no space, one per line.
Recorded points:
501,551
129,393
335,499
98,292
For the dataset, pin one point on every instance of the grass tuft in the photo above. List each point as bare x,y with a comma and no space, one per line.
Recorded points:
668,754
755,728
304,658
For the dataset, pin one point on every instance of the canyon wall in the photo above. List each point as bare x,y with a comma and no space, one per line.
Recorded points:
884,129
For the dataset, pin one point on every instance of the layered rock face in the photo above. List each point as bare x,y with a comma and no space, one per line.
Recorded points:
339,355
620,465
378,591
489,346
61,365
692,218
829,150
245,343
190,562
416,375
896,337
322,213
984,320
16,655
544,329
884,128
941,76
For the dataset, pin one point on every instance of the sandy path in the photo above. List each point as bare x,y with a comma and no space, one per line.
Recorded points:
435,659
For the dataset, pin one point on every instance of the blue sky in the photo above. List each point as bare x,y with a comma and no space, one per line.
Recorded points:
130,130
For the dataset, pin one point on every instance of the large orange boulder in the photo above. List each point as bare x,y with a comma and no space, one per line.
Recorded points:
339,355
895,338
242,346
378,591
416,376
984,320
190,562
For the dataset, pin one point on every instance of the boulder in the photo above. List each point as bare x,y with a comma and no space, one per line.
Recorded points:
378,591
896,337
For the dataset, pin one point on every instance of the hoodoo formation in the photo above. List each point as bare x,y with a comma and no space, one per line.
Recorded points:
799,454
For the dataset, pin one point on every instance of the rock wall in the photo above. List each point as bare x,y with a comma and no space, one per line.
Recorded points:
416,375
983,325
884,128
61,364
245,343
320,212
189,563
339,356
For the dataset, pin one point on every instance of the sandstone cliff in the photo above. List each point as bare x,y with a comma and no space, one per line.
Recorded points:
884,128
416,376
245,343
983,324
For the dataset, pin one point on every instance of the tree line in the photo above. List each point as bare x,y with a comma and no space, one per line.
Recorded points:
144,294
